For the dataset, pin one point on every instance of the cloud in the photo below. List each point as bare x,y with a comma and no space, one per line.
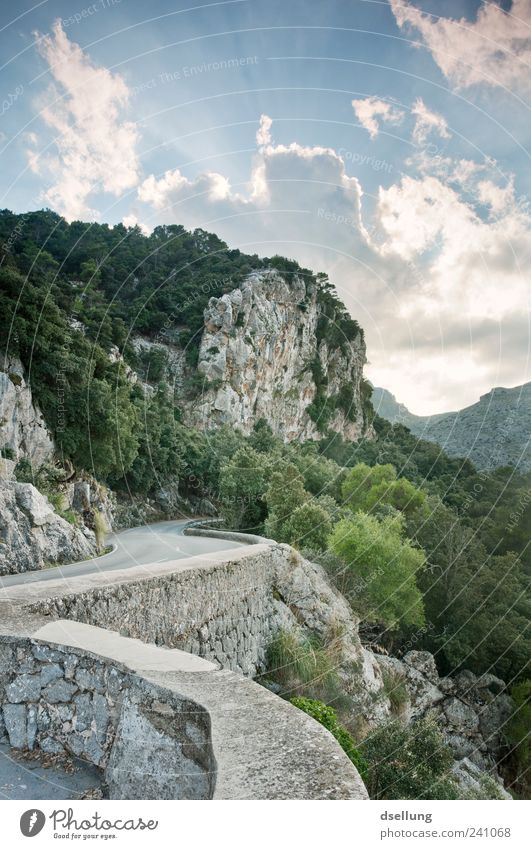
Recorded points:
447,257
96,149
132,221
263,135
427,122
370,108
495,49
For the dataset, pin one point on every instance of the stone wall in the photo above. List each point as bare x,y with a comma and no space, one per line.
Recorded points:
227,610
161,723
69,701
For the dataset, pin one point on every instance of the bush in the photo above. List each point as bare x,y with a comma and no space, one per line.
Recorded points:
309,525
305,666
519,735
408,762
100,529
326,716
394,684
380,569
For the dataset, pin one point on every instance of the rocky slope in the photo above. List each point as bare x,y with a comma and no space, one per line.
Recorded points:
23,431
471,711
263,355
493,432
33,535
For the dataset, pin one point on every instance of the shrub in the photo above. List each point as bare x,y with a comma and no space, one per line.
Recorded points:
380,569
394,685
408,762
304,665
326,716
100,528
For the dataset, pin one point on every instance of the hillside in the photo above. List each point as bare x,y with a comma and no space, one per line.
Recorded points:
143,337
493,432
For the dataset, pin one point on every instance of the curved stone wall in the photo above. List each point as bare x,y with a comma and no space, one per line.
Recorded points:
163,724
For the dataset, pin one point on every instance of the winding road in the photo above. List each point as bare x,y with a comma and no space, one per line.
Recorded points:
155,543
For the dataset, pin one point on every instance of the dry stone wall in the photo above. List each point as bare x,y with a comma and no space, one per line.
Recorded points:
65,700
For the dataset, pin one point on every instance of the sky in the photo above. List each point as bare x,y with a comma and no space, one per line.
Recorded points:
383,142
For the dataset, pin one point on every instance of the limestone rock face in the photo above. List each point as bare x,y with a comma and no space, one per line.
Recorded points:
32,534
22,427
259,353
471,710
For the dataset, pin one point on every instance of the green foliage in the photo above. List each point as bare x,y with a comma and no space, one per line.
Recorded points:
519,735
310,525
408,762
284,496
477,604
326,715
368,488
23,471
242,486
262,439
394,685
380,569
305,665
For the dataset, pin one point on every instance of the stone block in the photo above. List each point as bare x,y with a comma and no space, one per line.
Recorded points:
24,688
50,672
15,722
59,691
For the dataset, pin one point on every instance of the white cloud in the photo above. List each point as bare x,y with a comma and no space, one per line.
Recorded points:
132,221
96,149
434,285
495,49
474,266
498,198
427,122
263,134
370,108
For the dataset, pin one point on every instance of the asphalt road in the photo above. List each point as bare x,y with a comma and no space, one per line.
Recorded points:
136,546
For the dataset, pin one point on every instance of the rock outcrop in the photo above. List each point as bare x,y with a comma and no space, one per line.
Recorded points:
23,431
471,711
262,355
33,535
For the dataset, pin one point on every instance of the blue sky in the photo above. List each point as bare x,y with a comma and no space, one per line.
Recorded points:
375,139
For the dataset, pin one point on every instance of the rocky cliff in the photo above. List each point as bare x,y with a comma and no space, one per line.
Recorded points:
33,535
493,432
23,431
268,350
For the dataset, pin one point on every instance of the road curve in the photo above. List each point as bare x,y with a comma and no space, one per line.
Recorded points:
155,543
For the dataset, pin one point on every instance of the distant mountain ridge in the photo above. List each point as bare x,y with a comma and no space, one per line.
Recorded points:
495,431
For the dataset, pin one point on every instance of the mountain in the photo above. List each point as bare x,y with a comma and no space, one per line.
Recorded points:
135,345
494,432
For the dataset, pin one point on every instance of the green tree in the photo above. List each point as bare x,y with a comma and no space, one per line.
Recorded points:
243,483
285,494
369,488
309,526
380,569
